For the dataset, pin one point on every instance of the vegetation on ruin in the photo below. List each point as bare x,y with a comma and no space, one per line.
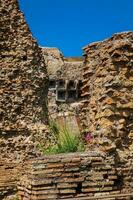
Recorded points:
66,140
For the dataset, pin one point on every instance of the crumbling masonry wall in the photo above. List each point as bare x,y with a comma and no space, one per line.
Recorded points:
107,112
107,115
23,94
10,173
23,82
108,90
65,78
78,176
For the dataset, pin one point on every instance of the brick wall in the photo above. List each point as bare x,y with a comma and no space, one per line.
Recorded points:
10,173
88,175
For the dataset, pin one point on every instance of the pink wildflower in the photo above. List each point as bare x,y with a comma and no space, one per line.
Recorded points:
88,137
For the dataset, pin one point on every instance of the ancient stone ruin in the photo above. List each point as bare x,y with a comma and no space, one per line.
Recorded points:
65,75
65,81
24,83
92,94
108,90
85,176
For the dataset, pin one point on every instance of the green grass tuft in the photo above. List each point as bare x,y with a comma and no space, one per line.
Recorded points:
66,141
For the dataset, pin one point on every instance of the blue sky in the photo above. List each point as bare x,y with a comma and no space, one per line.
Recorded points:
72,24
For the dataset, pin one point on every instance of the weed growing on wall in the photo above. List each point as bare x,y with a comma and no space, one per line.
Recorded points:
66,140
